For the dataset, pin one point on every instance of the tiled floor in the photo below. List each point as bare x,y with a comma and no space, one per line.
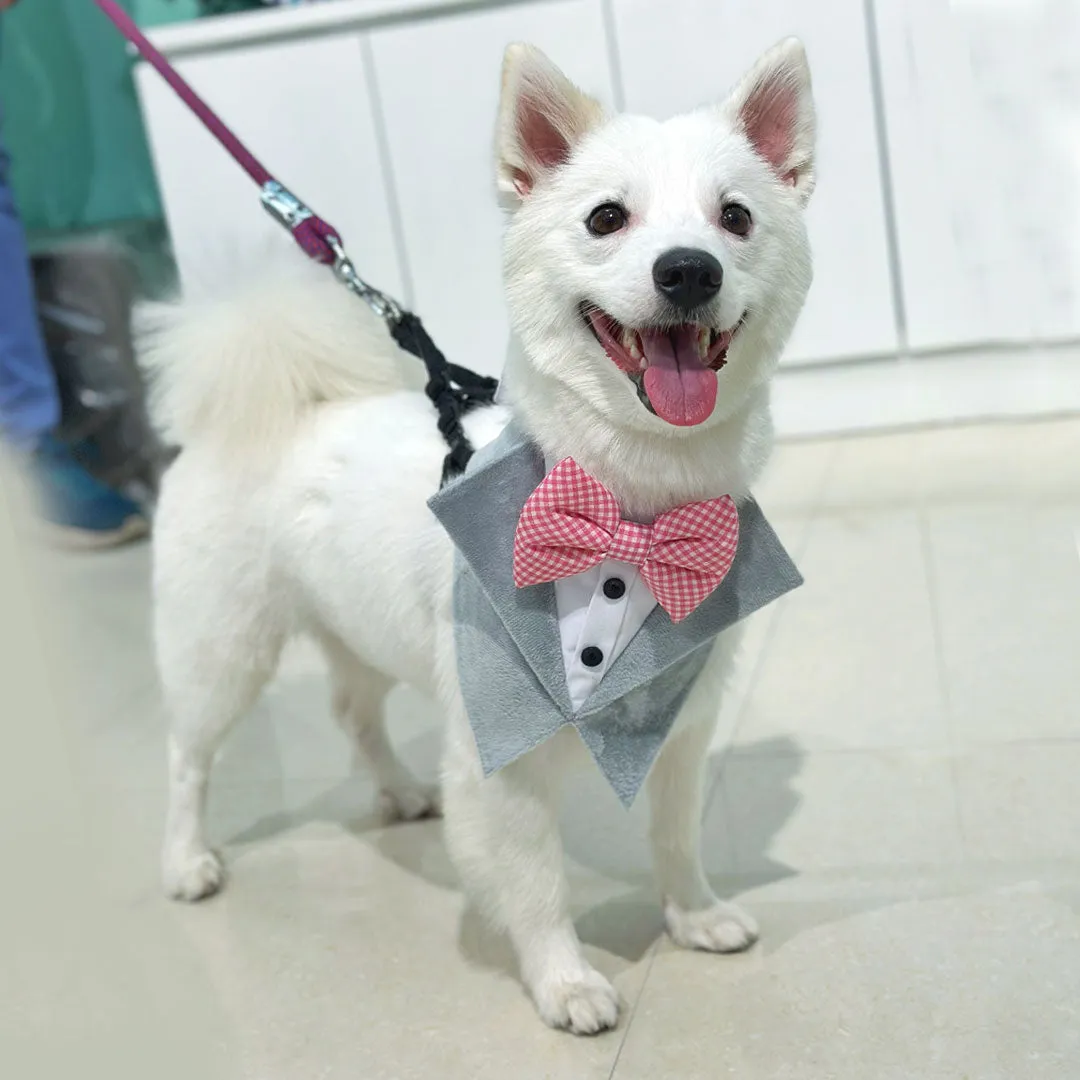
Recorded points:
896,795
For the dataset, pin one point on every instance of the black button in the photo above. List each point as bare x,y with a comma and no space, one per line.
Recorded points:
614,588
591,656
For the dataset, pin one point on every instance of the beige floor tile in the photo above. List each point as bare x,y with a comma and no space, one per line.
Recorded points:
876,472
101,614
754,647
795,477
873,808
947,466
1021,801
1028,463
341,955
341,948
977,986
852,659
1007,582
793,530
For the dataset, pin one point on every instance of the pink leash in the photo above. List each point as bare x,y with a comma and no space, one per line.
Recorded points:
453,390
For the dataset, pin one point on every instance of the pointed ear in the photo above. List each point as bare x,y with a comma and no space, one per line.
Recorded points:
774,106
542,117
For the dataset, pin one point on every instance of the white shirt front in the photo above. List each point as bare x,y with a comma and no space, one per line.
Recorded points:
600,611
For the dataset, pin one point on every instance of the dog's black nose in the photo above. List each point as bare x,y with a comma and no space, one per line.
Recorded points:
688,277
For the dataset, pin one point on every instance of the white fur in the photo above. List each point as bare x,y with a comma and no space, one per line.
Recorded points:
299,501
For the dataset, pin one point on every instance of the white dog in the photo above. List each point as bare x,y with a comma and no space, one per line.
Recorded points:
654,272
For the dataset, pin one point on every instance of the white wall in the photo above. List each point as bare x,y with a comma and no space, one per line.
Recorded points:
949,169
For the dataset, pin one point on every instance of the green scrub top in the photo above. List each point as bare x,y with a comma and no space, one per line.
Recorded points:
71,119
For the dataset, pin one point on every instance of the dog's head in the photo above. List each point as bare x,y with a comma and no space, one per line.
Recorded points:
656,269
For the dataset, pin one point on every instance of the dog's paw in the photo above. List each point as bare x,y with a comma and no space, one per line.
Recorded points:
584,1003
409,802
722,928
192,875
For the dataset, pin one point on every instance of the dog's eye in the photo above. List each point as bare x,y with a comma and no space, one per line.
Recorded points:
606,219
736,219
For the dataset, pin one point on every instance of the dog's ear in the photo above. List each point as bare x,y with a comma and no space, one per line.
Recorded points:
774,106
542,116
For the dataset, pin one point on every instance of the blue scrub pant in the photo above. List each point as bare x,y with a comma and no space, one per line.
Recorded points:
29,403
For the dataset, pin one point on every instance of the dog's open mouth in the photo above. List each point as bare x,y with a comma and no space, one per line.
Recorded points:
673,368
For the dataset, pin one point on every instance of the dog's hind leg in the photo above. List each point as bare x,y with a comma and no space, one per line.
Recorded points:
359,696
213,662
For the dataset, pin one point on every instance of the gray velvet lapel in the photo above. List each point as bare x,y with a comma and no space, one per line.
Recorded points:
509,651
480,511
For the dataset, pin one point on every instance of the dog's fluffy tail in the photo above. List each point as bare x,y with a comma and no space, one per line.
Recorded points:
244,369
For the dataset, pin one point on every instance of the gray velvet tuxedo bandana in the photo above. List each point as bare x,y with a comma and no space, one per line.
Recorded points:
509,652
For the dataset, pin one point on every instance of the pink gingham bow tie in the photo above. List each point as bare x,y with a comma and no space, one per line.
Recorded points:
571,523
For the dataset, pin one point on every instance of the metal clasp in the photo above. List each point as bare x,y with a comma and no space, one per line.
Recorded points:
383,306
288,210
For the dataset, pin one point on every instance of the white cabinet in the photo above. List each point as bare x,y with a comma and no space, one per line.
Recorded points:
946,217
438,89
675,56
982,108
303,108
945,179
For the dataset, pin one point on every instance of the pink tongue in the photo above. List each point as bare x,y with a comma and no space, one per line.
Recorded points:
681,388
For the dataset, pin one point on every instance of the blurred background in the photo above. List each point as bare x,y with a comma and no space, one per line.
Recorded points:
945,227
893,779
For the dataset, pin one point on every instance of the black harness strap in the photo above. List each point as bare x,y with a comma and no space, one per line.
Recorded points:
453,390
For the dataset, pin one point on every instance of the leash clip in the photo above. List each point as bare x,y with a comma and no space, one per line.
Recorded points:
283,206
383,306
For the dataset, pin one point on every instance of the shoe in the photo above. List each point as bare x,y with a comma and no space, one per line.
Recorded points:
78,509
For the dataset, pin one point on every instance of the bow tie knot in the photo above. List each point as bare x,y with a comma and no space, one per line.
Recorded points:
631,543
572,523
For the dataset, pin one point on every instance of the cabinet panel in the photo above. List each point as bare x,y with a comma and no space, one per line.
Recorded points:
982,107
945,200
303,109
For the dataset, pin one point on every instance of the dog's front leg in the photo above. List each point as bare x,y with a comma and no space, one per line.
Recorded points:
503,835
696,918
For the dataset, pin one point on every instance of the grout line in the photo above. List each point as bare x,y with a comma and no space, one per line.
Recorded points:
933,594
888,195
634,1007
382,144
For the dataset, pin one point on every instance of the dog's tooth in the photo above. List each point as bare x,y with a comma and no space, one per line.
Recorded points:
628,337
635,348
704,339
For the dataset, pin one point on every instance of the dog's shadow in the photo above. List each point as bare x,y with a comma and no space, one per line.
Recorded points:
605,845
